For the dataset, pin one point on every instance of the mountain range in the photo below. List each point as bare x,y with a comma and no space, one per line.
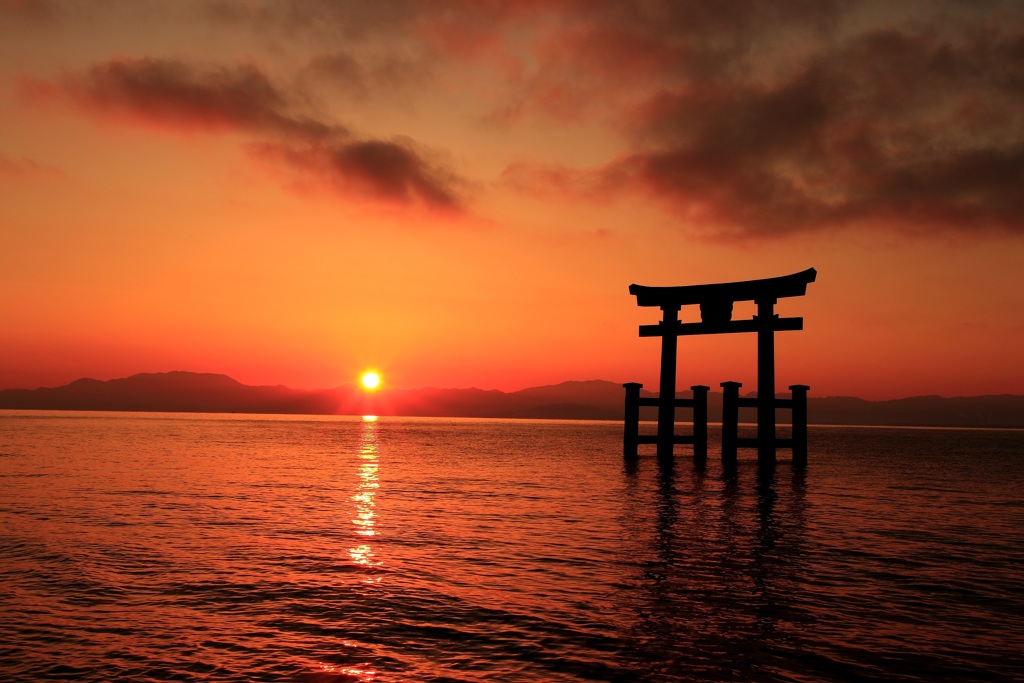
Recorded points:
594,399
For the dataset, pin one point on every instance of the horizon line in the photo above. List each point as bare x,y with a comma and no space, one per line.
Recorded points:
354,385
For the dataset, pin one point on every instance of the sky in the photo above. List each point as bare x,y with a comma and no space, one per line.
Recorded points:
459,193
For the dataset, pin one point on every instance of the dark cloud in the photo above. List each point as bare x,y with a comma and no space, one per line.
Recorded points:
178,94
755,118
390,170
915,130
242,98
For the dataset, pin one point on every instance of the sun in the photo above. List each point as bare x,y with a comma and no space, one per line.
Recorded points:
371,380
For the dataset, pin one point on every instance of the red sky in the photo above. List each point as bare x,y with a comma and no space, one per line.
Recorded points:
458,193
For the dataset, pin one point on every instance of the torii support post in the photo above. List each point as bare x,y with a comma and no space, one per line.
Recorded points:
765,381
700,423
631,438
799,424
631,425
667,384
730,422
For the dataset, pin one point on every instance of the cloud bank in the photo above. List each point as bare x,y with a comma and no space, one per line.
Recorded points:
762,119
744,119
911,129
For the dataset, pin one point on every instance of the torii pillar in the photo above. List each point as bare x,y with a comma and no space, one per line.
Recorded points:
765,379
667,383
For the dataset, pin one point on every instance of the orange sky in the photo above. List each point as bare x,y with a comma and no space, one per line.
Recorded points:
459,193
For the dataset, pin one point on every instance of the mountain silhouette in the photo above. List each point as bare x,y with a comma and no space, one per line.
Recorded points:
171,392
594,400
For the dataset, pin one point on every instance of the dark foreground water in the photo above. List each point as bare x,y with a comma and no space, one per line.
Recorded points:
146,547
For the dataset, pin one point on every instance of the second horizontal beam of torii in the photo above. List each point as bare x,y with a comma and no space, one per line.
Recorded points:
777,324
716,303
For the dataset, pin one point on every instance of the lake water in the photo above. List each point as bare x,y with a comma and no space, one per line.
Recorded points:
151,547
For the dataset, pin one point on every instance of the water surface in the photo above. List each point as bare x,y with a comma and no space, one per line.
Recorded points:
146,547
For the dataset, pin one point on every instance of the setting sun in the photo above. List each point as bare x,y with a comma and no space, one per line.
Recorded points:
371,380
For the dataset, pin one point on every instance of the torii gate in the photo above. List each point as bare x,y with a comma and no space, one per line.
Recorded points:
716,302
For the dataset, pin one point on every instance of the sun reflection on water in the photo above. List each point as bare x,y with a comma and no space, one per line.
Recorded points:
360,674
365,515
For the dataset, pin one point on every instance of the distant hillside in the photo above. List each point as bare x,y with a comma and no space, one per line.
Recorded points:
595,400
1004,410
171,392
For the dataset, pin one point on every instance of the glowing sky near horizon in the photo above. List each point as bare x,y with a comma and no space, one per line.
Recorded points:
459,193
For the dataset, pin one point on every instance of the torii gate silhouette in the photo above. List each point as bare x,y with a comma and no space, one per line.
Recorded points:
716,302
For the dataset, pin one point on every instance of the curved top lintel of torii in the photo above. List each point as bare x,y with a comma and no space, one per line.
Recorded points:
770,288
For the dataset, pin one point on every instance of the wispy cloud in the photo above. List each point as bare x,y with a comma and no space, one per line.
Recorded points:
393,170
183,96
26,168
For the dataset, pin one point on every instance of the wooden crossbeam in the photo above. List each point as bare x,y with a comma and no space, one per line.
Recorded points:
731,327
680,402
